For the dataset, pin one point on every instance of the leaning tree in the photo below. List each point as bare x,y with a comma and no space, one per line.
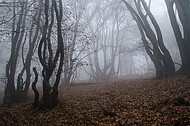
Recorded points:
180,22
152,39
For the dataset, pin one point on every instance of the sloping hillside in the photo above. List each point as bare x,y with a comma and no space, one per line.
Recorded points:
124,102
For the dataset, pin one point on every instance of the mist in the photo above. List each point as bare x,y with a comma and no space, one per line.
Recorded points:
56,49
107,40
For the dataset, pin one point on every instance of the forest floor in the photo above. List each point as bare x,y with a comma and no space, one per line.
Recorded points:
123,102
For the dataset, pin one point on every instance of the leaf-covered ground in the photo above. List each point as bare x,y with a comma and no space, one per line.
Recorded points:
125,102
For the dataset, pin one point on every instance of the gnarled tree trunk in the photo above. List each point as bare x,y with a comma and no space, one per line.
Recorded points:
157,52
47,59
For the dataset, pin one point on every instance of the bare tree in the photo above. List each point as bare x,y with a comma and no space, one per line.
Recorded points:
16,92
46,57
182,35
18,30
104,26
23,86
157,51
74,37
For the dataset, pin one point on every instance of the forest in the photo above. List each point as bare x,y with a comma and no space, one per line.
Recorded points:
95,62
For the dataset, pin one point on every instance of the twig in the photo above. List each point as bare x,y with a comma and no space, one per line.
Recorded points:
93,99
108,94
24,105
107,113
177,63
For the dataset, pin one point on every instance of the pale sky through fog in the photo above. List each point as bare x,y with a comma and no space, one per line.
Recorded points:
158,7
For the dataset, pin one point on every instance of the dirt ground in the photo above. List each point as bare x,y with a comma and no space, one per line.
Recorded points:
122,103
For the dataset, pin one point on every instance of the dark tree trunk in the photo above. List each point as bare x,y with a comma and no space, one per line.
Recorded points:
158,53
10,94
183,8
36,98
50,94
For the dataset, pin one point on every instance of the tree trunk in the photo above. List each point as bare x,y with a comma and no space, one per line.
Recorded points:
36,98
183,43
50,94
158,53
10,94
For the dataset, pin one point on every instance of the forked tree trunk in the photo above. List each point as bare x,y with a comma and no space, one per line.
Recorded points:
50,94
18,28
158,53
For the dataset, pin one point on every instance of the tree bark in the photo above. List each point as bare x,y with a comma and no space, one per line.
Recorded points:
50,94
183,42
158,53
36,98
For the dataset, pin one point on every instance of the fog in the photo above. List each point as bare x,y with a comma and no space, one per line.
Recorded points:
134,59
94,62
107,41
102,40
